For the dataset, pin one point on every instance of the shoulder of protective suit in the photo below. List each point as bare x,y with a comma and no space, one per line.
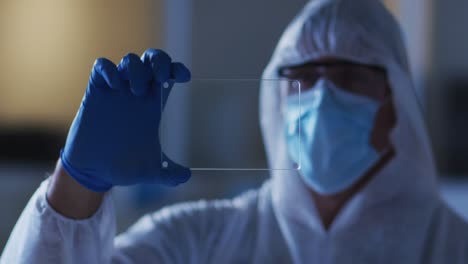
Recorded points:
448,235
237,214
208,226
212,210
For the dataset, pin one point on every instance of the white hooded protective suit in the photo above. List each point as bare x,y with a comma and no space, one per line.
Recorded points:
398,217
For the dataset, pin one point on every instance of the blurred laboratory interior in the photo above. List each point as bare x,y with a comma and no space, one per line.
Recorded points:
47,49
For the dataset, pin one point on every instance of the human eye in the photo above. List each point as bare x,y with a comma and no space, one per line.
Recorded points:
307,81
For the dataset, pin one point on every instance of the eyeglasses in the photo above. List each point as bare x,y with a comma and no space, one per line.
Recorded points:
361,79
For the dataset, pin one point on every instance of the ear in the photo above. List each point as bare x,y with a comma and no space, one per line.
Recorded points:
385,121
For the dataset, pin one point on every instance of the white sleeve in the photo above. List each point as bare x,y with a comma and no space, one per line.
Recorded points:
42,235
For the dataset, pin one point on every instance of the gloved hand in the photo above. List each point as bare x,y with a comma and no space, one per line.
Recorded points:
114,138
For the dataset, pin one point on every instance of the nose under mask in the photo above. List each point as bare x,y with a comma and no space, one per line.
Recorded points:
328,136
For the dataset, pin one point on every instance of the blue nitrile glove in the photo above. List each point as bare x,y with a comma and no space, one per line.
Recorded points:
114,139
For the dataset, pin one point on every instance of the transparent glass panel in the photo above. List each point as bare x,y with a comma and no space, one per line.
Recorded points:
213,124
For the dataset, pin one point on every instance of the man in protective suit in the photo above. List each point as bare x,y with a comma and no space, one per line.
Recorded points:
366,191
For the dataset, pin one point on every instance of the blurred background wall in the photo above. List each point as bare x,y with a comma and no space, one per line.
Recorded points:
48,48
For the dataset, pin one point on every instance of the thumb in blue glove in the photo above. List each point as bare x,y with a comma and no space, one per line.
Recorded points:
114,138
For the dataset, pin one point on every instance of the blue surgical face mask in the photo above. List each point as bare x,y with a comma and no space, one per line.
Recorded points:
328,136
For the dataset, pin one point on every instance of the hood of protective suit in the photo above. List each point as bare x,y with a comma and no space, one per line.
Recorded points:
362,31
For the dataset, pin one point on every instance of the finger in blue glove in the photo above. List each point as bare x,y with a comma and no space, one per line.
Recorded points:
114,138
